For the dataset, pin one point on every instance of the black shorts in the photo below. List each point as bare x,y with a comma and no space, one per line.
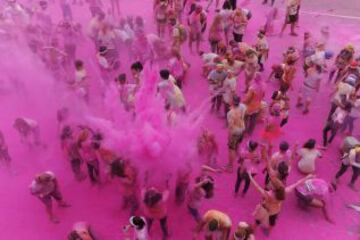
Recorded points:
234,141
48,198
304,200
272,219
292,18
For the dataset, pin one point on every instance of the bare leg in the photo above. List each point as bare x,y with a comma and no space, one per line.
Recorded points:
292,27
198,46
321,204
283,29
307,105
49,210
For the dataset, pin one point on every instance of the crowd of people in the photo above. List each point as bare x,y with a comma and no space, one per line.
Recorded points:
234,70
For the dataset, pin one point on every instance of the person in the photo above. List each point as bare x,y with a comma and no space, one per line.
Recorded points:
71,147
271,16
352,116
88,152
236,129
249,160
311,86
4,152
208,148
182,184
209,60
172,94
288,76
217,225
243,231
280,163
317,58
308,45
262,48
292,14
29,131
179,36
215,33
314,193
197,25
81,231
267,212
229,90
155,208
127,91
251,67
352,74
342,61
139,225
348,143
128,175
253,99
216,80
272,129
161,17
334,124
136,71
352,158
341,95
179,68
280,102
308,156
239,25
277,71
178,6
80,84
45,187
226,14
203,188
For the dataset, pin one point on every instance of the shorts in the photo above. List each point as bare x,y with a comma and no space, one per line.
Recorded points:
292,18
161,21
304,200
47,199
272,219
235,140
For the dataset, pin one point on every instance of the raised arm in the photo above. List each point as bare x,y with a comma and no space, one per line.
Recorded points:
301,181
209,169
257,186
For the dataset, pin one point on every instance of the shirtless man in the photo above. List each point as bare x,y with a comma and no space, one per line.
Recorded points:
217,225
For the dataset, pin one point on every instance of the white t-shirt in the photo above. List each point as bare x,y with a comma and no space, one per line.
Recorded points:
208,58
308,158
229,88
